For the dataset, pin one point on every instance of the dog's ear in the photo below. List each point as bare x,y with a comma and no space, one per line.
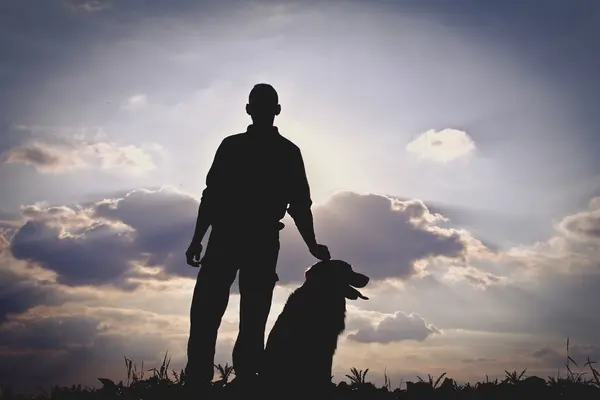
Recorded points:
314,271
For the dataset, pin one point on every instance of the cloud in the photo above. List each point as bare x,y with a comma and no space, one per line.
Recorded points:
475,276
107,241
135,102
43,351
382,236
163,221
84,338
396,328
89,5
21,288
479,360
19,293
583,225
545,289
52,151
442,146
557,357
35,154
96,255
529,300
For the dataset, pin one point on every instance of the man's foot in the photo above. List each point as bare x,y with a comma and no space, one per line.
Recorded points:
197,391
244,384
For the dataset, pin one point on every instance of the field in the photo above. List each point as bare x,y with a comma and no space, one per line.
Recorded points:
163,383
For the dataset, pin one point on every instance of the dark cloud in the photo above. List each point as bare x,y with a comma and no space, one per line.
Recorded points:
99,255
164,223
85,246
42,158
478,360
544,352
49,333
19,293
395,328
585,224
557,357
380,236
64,350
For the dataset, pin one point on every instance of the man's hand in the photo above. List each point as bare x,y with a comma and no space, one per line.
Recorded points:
193,253
321,252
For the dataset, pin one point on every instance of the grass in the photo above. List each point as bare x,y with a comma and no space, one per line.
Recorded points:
163,383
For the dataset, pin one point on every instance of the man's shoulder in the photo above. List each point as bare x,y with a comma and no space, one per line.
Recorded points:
288,144
233,138
240,139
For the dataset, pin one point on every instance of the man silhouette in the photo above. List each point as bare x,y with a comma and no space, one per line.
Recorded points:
256,176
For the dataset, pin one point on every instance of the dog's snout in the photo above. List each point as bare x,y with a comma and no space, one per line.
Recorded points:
358,280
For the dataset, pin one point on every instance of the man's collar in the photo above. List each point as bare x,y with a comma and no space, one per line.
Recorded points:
262,130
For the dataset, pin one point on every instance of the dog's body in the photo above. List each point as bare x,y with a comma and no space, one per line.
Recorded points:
304,338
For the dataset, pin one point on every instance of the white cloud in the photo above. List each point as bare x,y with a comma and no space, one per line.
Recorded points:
395,328
443,146
135,102
90,5
45,158
57,150
584,225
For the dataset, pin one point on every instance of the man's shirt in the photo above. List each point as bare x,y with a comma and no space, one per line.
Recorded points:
254,177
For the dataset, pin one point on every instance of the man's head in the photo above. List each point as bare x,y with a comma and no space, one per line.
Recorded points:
263,104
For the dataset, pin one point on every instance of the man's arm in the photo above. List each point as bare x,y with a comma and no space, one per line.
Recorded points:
299,208
209,194
300,202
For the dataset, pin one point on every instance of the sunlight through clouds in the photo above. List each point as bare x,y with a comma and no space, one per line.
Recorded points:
449,158
443,146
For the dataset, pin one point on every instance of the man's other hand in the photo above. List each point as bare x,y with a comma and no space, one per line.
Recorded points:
321,252
193,253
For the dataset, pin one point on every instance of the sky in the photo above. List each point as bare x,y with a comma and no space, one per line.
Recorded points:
451,149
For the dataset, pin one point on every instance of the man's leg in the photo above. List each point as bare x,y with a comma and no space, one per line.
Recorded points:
257,281
209,302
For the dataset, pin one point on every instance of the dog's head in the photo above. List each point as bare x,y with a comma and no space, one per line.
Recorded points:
339,277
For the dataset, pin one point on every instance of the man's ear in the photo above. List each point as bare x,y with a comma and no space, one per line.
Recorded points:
248,109
278,109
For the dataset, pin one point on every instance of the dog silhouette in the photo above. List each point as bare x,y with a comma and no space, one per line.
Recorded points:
304,338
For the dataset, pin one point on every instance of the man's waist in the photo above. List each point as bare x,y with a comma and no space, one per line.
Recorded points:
249,224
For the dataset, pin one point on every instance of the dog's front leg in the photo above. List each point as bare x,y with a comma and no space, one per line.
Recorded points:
322,369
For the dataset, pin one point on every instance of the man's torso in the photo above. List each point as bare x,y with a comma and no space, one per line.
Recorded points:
255,180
